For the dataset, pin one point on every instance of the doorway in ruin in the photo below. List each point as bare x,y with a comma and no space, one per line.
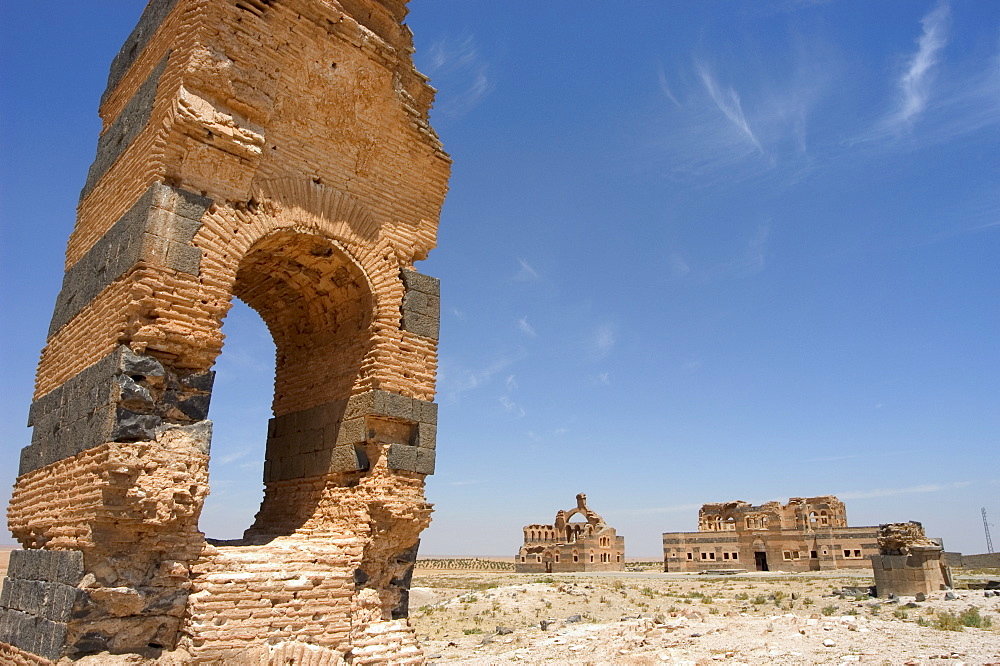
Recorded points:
760,559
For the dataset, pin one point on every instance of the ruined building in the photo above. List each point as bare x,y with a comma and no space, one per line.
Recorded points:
585,544
279,152
807,534
907,562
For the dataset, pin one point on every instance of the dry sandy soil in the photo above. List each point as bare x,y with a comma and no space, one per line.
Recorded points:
657,618
646,618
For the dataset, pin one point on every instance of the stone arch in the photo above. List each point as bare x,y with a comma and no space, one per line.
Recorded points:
216,177
317,304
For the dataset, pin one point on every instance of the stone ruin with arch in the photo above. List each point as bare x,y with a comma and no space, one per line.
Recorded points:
584,544
278,152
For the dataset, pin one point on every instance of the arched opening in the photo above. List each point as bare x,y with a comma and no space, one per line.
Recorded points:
317,305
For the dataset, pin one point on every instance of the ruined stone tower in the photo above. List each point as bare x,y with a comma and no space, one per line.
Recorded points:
276,151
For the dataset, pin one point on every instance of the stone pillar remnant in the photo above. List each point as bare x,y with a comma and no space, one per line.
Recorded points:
908,563
279,152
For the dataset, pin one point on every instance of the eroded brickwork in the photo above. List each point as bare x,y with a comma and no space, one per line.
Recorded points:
584,544
277,152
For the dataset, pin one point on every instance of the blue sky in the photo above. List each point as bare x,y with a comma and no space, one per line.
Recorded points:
692,252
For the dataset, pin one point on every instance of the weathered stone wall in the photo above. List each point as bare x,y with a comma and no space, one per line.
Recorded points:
806,534
566,545
908,563
980,561
278,152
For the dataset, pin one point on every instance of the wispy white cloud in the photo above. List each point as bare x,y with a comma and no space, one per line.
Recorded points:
891,492
461,74
755,259
969,103
604,378
728,102
915,83
678,267
458,314
525,327
229,457
508,403
716,132
525,272
938,100
601,341
455,381
511,407
665,86
465,482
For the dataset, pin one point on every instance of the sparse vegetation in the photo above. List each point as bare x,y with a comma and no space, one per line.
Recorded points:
971,617
467,605
471,563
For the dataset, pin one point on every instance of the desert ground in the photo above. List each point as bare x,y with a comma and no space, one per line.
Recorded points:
644,617
649,617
